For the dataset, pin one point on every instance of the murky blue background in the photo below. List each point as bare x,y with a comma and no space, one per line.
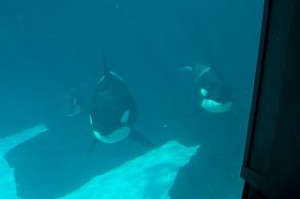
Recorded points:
48,48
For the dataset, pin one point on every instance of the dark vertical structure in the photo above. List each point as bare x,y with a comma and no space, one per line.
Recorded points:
271,166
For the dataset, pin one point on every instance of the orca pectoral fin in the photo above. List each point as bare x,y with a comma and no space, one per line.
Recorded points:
185,69
140,138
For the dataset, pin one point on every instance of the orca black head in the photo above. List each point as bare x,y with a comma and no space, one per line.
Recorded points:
112,114
213,93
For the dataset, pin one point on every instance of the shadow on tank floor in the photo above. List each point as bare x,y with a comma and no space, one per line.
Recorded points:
57,162
214,172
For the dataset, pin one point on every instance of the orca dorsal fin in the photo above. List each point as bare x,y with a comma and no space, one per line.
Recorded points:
105,66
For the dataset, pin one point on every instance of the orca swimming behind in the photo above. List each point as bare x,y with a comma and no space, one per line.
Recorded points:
113,111
213,94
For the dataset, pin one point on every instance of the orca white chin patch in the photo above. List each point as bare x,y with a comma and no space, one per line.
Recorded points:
215,107
115,136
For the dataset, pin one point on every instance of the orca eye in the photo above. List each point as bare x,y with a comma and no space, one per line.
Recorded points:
203,92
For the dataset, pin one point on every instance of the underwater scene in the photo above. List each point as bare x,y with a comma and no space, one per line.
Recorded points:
125,99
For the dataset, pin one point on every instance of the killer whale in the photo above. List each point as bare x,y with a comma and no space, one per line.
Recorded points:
113,110
213,94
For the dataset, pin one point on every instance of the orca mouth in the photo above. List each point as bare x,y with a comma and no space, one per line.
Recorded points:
215,107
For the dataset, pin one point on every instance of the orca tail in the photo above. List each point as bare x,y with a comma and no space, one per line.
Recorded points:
140,138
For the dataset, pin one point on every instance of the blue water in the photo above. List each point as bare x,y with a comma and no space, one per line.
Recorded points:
51,49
